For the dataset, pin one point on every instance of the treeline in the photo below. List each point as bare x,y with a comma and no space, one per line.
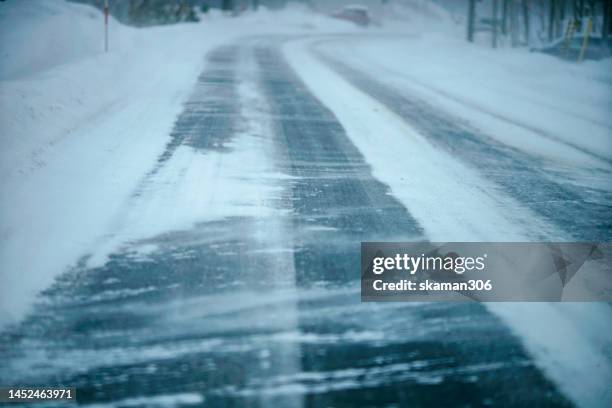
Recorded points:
148,12
538,21
156,12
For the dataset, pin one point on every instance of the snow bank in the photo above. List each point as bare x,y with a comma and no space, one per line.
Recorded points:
570,342
79,128
37,35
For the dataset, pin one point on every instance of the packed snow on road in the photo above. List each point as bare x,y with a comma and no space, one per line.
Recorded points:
181,216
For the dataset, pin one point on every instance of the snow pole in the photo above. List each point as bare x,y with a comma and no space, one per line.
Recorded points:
105,25
569,34
585,43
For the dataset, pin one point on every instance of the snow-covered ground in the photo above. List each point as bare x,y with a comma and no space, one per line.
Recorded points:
549,109
450,200
527,100
80,129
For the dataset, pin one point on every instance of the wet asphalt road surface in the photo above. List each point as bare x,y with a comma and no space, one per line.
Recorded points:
211,318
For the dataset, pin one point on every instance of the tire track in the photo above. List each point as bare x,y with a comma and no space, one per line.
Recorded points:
195,317
337,203
582,212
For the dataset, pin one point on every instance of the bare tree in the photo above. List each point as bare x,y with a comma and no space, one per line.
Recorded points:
504,25
227,5
526,19
514,26
551,19
542,14
607,14
471,20
494,24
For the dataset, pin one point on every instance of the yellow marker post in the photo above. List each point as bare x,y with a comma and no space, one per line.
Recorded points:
585,43
569,34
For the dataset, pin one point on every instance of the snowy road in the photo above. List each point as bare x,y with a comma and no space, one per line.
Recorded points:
261,306
534,182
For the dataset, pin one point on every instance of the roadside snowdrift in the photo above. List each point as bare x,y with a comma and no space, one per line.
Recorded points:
37,35
79,127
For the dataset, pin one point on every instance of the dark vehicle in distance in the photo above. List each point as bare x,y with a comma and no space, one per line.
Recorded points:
354,13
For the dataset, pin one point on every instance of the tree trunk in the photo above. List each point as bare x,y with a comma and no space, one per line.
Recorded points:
562,10
551,20
526,20
559,15
514,23
542,15
471,20
504,27
494,23
227,5
607,14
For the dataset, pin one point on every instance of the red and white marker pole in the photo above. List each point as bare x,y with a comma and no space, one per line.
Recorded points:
105,25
